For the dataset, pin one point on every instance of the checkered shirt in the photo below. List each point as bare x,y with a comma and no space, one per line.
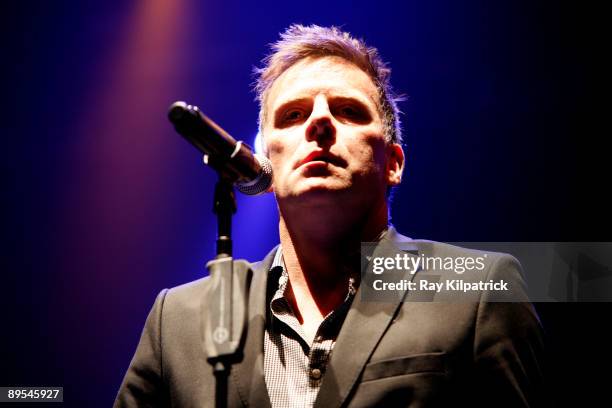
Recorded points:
293,368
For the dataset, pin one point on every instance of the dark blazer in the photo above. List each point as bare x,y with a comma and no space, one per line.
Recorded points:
401,353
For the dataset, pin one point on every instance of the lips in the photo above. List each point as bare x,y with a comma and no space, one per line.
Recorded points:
322,156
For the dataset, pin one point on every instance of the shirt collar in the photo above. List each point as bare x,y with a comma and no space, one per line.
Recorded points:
278,265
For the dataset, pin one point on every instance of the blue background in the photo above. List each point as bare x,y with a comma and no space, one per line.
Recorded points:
104,205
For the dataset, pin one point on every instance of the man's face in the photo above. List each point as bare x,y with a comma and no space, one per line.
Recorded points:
324,134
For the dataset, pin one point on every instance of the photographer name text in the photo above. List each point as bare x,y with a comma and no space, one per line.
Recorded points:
454,285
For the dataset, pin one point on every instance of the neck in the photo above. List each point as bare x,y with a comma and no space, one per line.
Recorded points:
321,251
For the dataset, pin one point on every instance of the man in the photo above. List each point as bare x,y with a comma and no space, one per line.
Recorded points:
330,127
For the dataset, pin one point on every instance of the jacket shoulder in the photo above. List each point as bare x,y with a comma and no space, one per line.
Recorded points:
189,295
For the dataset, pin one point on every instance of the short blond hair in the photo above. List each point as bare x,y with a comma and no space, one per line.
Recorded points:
299,42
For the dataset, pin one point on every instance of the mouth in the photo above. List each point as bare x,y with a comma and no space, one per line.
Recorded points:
321,157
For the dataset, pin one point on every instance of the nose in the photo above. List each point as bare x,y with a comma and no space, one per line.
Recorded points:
321,128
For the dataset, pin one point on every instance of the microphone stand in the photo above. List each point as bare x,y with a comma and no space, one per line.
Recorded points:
226,310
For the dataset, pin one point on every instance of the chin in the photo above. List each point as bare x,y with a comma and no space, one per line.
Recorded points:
317,190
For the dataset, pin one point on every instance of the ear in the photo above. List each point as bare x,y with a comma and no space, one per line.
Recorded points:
395,164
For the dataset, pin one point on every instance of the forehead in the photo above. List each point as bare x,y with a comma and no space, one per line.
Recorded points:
330,75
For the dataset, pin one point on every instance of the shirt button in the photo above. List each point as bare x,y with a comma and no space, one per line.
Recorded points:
315,373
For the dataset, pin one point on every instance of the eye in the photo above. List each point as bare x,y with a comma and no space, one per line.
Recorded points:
352,113
349,111
293,115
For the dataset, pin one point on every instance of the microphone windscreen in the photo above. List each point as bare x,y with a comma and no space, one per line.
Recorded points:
262,182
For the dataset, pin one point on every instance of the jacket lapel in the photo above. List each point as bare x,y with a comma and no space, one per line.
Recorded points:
249,373
365,324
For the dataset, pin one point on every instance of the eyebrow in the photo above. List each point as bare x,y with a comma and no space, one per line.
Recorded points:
332,94
305,97
293,101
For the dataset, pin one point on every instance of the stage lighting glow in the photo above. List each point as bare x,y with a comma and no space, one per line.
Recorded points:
258,144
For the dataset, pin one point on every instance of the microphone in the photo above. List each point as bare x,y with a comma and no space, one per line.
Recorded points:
234,160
